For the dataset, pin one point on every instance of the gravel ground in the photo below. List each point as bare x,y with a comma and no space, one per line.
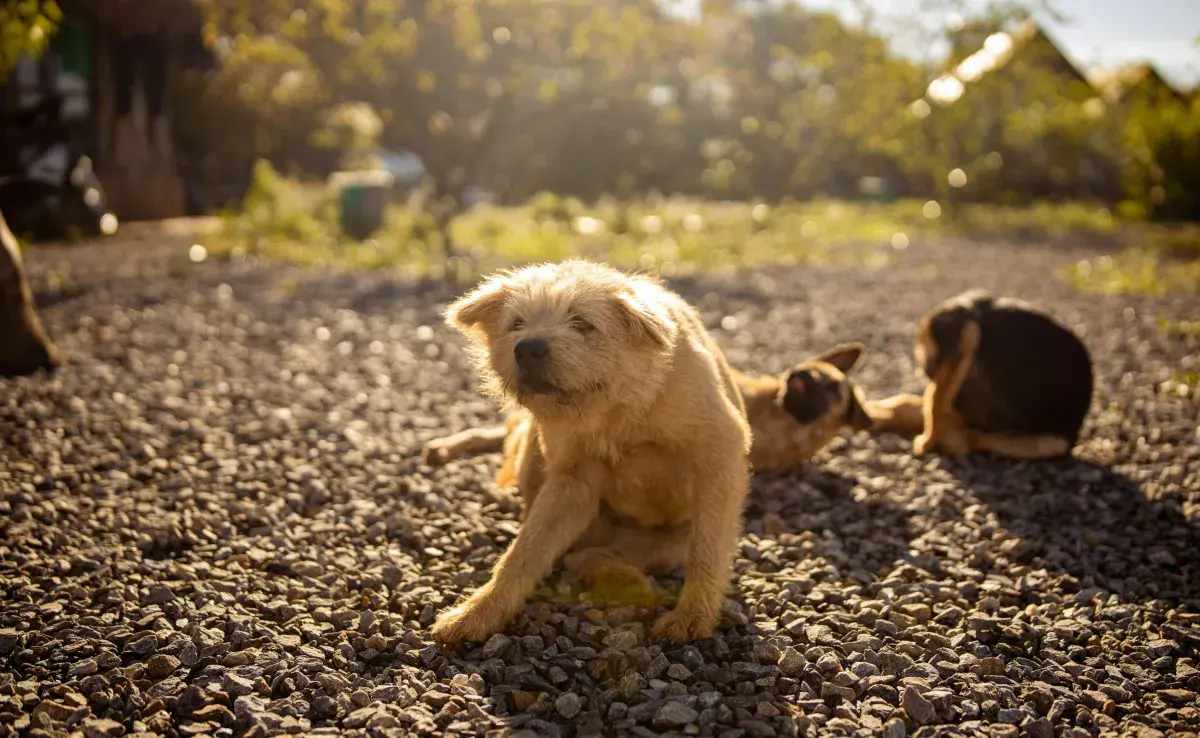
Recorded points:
214,523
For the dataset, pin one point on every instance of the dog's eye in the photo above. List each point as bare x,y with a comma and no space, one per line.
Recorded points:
516,325
581,325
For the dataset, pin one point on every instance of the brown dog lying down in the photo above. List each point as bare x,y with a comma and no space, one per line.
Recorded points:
1004,378
792,417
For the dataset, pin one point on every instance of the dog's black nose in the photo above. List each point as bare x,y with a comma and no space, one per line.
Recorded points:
532,353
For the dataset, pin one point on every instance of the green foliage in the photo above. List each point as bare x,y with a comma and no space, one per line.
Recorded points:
26,27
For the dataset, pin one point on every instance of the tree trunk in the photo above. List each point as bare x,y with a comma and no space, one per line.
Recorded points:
24,346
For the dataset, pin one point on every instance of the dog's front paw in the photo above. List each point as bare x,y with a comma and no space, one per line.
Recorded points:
473,620
684,625
922,444
435,453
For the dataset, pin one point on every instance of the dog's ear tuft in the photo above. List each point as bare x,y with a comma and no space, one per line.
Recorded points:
645,321
480,306
857,415
844,356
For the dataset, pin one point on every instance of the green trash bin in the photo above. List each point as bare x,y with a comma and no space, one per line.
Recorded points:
362,200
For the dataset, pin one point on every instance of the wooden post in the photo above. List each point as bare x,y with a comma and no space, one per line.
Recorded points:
24,346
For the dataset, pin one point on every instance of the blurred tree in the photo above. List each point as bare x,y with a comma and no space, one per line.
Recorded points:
457,81
26,27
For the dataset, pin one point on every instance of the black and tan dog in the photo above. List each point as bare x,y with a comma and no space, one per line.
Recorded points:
792,416
1004,378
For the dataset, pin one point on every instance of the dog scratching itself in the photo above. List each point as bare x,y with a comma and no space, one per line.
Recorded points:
590,357
1003,378
792,417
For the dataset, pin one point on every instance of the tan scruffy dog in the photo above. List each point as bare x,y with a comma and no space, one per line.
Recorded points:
591,355
792,416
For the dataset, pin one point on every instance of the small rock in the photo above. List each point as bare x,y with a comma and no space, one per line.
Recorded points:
496,646
102,728
1040,728
568,704
918,708
675,715
895,728
161,666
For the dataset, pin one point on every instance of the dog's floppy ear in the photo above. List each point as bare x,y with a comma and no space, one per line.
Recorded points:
844,356
478,307
856,414
646,320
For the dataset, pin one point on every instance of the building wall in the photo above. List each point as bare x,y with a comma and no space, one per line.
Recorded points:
135,157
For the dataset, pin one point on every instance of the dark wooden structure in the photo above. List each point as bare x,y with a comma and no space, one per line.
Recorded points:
113,63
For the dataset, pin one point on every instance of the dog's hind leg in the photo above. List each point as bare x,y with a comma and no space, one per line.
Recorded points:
720,491
472,441
615,562
1026,448
943,426
901,413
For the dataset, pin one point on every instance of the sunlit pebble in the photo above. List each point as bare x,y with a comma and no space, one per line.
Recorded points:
108,224
899,241
224,292
197,253
760,212
345,347
932,210
432,351
323,334
424,333
376,347
957,178
729,323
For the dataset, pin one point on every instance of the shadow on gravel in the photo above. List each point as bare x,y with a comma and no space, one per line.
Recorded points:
1093,524
832,516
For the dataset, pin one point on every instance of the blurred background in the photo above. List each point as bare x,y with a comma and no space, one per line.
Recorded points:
440,136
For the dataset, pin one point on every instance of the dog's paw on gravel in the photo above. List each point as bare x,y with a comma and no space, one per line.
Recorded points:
684,625
473,620
434,453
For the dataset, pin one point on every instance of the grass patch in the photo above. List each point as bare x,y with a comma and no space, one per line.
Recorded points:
1179,328
298,222
1163,260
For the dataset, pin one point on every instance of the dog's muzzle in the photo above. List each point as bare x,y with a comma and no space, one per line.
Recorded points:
807,394
533,364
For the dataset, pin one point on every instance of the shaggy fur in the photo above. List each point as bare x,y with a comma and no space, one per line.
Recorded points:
1004,378
590,354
